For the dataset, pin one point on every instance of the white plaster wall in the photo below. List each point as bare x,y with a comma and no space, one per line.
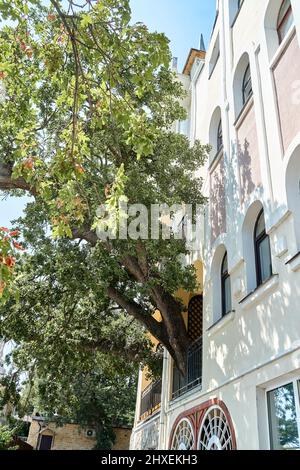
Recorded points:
258,343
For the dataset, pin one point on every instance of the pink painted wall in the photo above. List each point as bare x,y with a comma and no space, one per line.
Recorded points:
286,75
248,155
217,201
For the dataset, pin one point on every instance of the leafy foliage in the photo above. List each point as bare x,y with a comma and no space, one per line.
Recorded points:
87,118
8,248
6,438
92,401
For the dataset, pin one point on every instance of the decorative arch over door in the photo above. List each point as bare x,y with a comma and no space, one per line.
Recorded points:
215,432
183,436
212,428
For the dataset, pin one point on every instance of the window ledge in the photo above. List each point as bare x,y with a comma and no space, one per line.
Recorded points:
244,111
213,67
174,402
260,292
236,16
216,159
283,46
294,262
221,323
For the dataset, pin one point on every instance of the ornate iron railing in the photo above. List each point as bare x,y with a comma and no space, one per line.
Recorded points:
150,400
193,377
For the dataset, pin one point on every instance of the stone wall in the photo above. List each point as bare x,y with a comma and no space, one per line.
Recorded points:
72,436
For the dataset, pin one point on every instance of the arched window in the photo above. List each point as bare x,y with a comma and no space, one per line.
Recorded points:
262,251
234,10
220,136
285,20
225,287
215,133
247,85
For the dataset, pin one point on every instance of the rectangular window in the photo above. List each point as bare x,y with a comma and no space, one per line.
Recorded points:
265,259
227,299
284,419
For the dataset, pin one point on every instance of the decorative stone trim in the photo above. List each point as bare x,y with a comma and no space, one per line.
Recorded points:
195,417
294,262
260,292
220,324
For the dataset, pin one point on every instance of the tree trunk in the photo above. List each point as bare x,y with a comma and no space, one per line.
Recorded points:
171,331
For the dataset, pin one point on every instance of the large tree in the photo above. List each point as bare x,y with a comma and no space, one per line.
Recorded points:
88,104
95,397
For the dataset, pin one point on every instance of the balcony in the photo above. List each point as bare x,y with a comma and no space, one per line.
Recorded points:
193,378
150,401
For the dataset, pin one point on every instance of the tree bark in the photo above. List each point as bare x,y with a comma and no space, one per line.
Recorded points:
7,183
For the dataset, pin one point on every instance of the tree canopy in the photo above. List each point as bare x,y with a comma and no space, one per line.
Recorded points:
87,113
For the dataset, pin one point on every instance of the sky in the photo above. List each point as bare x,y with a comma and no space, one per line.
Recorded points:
182,21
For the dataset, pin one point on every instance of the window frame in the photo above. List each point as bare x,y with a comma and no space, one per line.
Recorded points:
281,23
219,136
224,277
239,5
279,384
258,240
245,84
40,437
214,57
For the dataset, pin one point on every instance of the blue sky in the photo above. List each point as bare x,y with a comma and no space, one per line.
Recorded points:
182,21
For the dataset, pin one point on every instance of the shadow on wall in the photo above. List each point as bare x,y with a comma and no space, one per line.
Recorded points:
247,185
217,201
270,326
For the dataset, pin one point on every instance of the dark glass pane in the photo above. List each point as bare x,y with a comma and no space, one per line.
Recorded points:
285,19
247,90
227,294
225,264
220,136
265,259
285,26
286,5
283,418
247,85
260,226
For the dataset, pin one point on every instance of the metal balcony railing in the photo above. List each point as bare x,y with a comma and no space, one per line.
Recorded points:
193,378
151,398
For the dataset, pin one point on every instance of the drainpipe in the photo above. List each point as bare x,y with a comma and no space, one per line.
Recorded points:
137,409
162,444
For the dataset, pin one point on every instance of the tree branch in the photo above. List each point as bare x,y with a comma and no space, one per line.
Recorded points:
155,327
132,353
7,183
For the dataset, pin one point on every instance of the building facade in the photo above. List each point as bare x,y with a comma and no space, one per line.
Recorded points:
242,389
46,435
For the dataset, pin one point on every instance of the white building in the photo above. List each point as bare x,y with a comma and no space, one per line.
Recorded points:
243,384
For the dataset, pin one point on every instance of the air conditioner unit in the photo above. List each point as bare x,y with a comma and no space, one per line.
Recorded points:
90,433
